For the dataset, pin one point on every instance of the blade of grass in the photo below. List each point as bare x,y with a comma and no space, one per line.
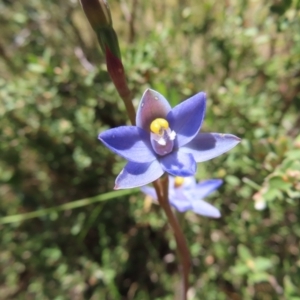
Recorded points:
66,206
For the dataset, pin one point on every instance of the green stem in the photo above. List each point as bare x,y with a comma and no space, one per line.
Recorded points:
66,206
183,251
251,183
126,97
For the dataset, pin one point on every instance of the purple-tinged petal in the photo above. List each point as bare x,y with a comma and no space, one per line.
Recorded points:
177,193
136,174
206,146
205,209
130,142
186,118
162,149
181,205
179,164
152,106
150,191
204,188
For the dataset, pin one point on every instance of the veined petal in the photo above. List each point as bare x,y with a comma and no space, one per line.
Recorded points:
150,191
137,174
179,164
205,209
153,105
204,188
186,118
206,146
130,142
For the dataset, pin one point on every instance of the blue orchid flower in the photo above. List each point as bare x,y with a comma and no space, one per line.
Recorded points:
185,194
164,140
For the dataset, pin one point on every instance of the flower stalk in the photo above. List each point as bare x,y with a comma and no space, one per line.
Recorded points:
161,187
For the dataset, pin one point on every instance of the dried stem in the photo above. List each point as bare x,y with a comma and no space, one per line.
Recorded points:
183,251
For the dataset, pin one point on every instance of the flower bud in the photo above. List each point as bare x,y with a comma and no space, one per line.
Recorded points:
117,73
108,39
97,13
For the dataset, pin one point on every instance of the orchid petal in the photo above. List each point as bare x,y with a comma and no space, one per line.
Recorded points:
171,182
189,183
152,106
206,146
177,193
205,209
181,205
137,174
150,191
204,188
179,164
130,142
186,118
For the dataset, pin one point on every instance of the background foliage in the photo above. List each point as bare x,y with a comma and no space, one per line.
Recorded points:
56,96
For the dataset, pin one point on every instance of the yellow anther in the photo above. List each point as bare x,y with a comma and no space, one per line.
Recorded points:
159,125
178,181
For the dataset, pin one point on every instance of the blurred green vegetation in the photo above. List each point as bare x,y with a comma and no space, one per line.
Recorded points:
56,96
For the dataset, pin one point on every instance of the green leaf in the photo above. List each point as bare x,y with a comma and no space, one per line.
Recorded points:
293,154
277,182
258,277
66,206
244,252
262,263
240,269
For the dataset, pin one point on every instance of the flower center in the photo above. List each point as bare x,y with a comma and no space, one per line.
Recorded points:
178,182
161,132
158,125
